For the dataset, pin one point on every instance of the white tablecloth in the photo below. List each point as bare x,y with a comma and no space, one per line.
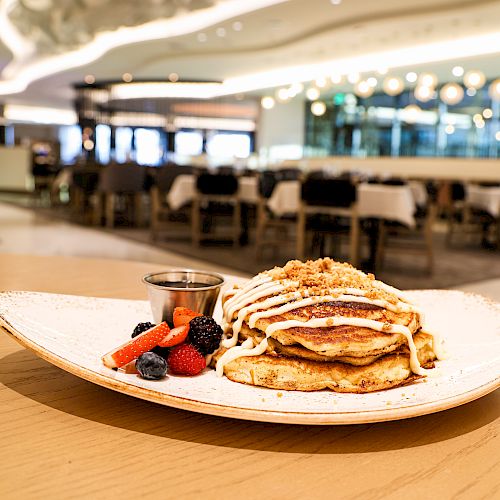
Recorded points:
182,191
419,192
374,200
485,198
184,188
387,202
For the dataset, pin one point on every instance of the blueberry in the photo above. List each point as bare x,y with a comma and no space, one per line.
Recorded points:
151,366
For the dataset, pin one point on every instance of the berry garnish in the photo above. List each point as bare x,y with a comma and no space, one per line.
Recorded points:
205,334
136,346
186,360
175,337
182,316
151,366
141,328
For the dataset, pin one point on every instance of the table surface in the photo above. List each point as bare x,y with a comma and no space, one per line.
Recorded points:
65,437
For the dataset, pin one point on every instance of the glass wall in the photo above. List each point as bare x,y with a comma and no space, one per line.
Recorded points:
382,125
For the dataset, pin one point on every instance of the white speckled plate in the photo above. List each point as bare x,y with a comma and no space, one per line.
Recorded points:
73,332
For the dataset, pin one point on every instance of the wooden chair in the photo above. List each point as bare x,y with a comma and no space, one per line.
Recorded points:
161,212
417,240
215,193
266,220
333,198
122,183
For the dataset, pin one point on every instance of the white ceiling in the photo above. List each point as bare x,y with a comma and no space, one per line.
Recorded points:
292,32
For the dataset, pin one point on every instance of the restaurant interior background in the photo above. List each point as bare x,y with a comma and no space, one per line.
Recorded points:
237,135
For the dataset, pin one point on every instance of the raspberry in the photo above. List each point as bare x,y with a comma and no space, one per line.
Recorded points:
141,328
185,360
205,334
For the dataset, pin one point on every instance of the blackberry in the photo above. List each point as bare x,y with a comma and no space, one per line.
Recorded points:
141,328
204,334
151,366
161,351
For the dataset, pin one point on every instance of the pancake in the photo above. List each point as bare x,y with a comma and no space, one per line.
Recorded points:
322,324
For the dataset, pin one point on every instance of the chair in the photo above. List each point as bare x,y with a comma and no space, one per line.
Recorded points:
268,179
83,186
120,183
332,198
215,194
161,212
453,197
411,240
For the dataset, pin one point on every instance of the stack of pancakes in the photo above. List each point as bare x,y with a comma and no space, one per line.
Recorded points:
342,357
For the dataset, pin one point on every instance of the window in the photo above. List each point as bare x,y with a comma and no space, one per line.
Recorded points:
227,145
70,137
103,145
189,143
123,144
148,146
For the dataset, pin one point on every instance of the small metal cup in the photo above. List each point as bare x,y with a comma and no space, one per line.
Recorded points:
164,299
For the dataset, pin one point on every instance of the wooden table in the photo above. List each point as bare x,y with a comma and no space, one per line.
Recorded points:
62,437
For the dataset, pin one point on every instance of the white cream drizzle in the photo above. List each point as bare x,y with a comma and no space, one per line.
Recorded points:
246,300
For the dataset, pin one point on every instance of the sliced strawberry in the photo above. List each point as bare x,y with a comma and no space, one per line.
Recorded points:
183,315
176,336
135,347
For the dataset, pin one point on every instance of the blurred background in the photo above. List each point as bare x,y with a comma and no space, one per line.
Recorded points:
235,135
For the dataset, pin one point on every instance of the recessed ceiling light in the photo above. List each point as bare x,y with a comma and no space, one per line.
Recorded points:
457,71
220,32
411,77
237,26
267,102
202,37
372,81
312,93
335,2
127,77
173,77
89,79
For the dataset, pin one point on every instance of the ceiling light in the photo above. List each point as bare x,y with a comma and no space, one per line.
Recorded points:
479,124
237,26
428,80
393,85
173,77
478,117
411,113
411,77
457,71
494,90
88,145
497,136
318,108
382,70
35,114
89,79
267,102
220,32
192,90
283,95
295,89
451,93
363,89
487,113
336,78
423,93
471,92
353,77
321,82
312,93
335,2
127,77
202,37
474,79
449,129
372,81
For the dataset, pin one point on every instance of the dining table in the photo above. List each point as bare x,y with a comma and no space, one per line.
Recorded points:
64,437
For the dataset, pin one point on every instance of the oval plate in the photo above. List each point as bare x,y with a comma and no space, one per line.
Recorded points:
73,333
